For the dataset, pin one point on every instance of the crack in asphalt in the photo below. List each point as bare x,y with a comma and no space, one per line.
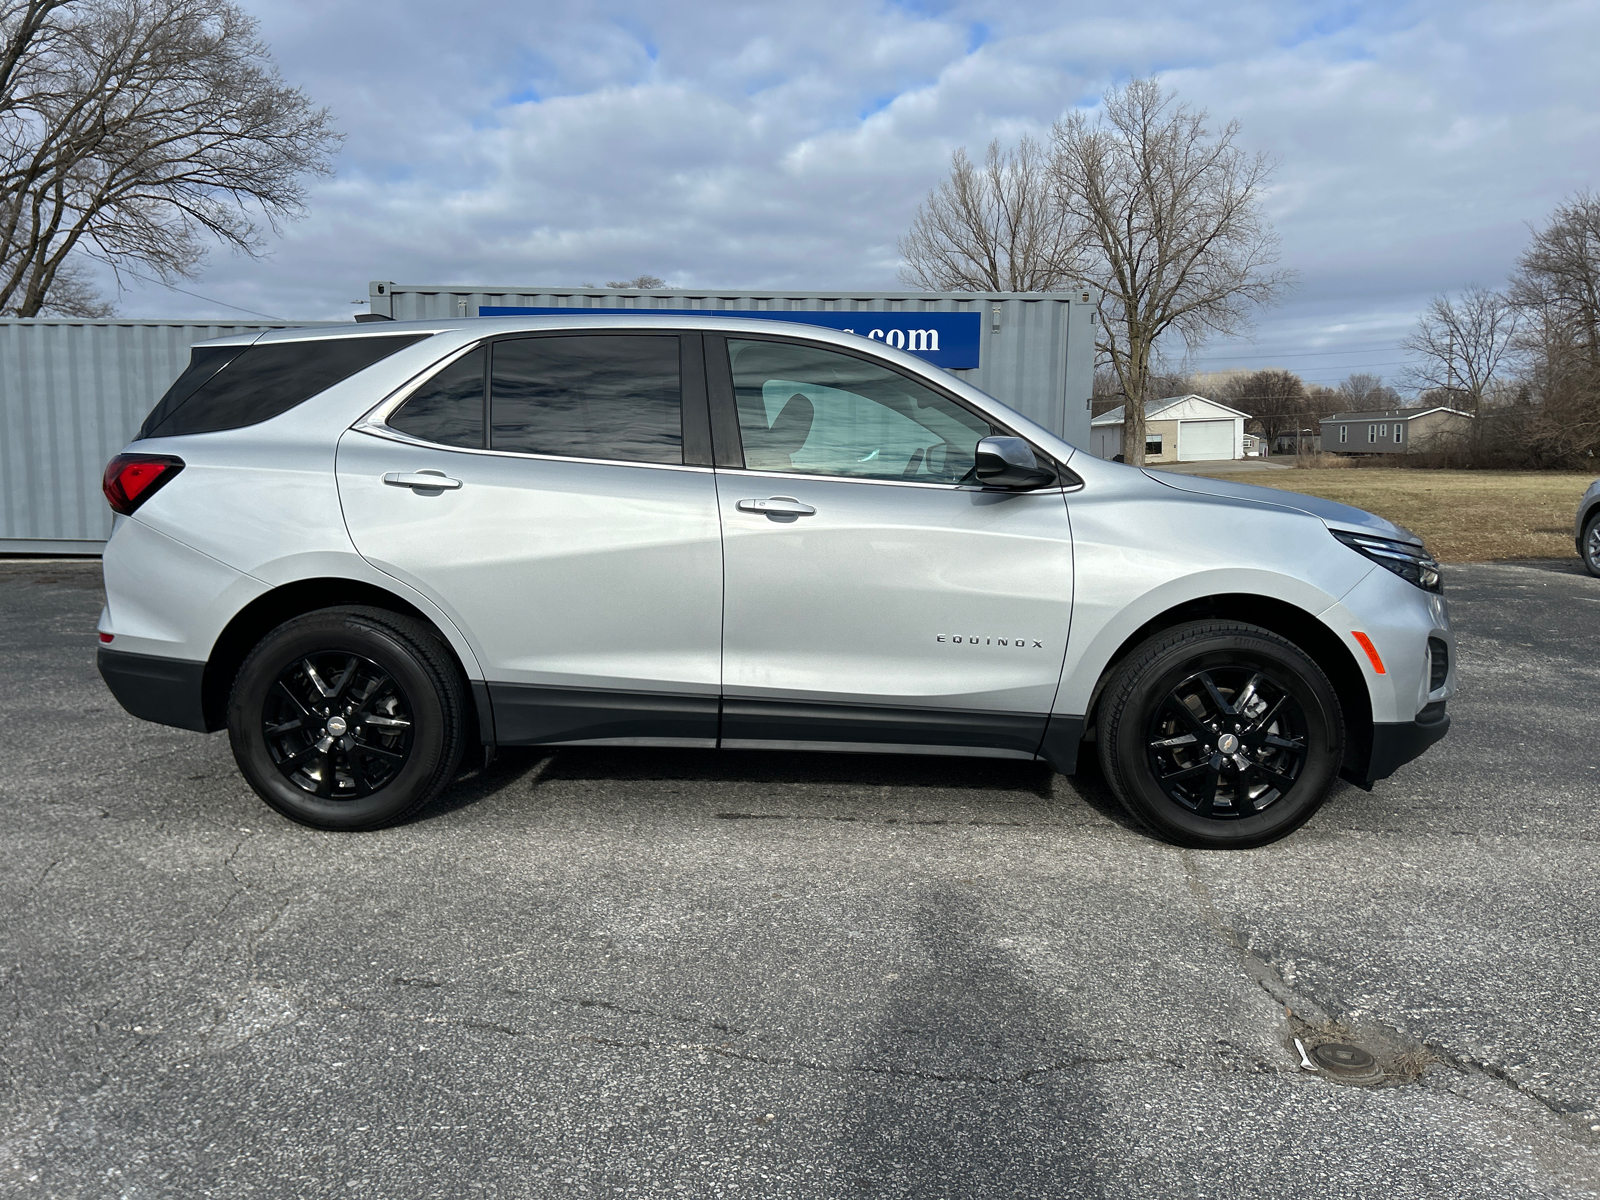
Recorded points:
1307,1012
1261,972
797,1062
1064,1064
1467,1065
1219,1061
211,920
255,938
43,875
610,1006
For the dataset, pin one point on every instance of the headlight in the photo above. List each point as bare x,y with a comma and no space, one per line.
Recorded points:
1411,563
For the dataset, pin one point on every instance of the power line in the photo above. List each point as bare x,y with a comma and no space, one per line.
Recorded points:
207,299
1401,362
1298,354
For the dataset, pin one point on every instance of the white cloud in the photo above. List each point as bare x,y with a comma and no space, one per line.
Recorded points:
722,143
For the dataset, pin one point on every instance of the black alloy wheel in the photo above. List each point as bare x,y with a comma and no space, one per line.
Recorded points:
1220,735
1591,544
337,725
348,718
1228,742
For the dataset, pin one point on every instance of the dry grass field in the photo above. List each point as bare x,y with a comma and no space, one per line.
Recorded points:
1464,516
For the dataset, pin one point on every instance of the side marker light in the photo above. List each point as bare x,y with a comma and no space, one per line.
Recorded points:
1372,651
106,637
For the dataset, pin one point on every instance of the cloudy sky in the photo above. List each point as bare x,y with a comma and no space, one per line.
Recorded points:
743,144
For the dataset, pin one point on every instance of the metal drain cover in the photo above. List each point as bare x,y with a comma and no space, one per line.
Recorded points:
1346,1060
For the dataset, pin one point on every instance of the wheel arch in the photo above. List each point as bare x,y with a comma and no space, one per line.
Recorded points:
1288,621
283,603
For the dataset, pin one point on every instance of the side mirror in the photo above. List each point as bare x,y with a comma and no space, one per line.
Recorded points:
1008,462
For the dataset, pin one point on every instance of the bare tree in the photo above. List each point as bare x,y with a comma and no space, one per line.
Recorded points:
1275,398
134,131
1464,344
1362,391
1167,216
993,229
1557,287
1164,381
1323,401
1558,275
642,283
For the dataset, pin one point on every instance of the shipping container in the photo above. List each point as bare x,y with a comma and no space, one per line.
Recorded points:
72,394
1031,350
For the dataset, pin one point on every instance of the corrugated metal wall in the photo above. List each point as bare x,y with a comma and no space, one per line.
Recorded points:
73,393
1037,354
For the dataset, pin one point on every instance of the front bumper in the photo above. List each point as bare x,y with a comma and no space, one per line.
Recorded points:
1397,743
165,690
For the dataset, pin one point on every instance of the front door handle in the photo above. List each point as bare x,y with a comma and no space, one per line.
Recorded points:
435,480
778,506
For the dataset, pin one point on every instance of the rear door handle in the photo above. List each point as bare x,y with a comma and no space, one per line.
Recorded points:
778,506
436,480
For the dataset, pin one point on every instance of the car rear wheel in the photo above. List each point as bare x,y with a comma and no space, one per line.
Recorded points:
1220,735
348,718
1591,544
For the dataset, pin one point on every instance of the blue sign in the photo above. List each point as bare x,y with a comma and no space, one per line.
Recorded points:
946,339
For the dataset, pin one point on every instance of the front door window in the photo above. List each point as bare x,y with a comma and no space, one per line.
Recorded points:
812,411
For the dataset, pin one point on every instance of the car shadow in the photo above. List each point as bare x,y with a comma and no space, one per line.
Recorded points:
1554,566
889,772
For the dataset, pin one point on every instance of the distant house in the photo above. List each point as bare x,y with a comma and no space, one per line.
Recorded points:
1294,441
1391,430
1177,429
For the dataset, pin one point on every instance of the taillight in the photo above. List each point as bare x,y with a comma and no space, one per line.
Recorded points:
131,479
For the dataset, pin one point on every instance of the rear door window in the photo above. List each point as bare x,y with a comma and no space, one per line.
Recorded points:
608,396
448,409
259,382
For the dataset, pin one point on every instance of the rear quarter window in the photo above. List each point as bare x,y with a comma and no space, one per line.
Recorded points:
229,387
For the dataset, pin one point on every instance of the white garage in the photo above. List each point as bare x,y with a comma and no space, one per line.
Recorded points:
1199,440
1177,429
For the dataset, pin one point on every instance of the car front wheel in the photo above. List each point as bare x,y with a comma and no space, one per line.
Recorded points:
1220,735
348,718
1591,544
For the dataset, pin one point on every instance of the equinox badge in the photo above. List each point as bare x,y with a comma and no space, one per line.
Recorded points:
1032,643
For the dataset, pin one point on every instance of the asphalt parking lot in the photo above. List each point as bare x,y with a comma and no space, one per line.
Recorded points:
649,973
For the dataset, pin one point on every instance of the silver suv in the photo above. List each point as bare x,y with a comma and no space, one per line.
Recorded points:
364,550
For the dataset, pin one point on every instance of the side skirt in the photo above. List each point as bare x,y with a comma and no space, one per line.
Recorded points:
527,715
753,723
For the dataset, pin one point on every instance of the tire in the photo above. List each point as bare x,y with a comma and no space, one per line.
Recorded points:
1591,544
1158,718
348,718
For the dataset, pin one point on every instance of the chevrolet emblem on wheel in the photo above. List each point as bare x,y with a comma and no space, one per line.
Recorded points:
363,552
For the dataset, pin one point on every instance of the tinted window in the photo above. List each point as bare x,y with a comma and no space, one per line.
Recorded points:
260,382
819,412
447,409
598,396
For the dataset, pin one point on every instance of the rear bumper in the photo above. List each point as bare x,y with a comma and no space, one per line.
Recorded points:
164,690
1394,745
